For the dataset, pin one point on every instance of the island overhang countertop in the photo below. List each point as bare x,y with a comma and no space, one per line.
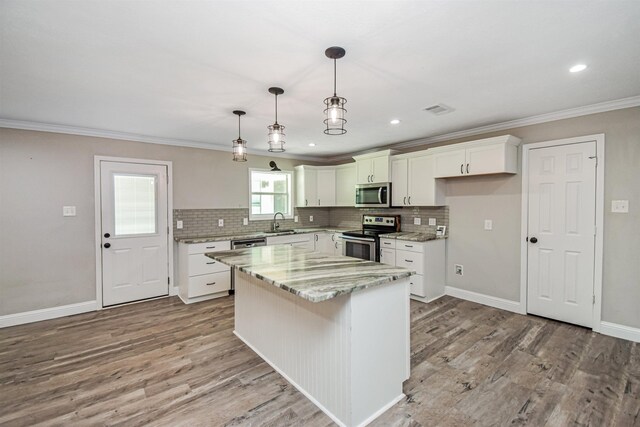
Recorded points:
310,275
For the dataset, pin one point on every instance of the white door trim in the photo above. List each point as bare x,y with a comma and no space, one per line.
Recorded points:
597,276
98,216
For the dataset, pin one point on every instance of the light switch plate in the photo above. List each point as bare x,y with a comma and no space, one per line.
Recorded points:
310,218
432,221
68,211
295,218
179,225
245,221
417,221
620,206
221,223
488,224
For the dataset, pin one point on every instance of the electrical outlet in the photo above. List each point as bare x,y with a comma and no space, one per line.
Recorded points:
221,223
310,218
295,218
432,221
245,221
417,221
620,206
488,224
68,211
179,224
459,269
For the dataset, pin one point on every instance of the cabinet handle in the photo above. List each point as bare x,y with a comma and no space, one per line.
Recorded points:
211,247
212,283
336,245
467,167
404,200
212,262
408,246
386,243
316,237
408,260
306,202
318,202
333,237
409,200
372,178
462,169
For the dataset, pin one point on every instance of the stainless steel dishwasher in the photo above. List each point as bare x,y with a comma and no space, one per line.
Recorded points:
243,244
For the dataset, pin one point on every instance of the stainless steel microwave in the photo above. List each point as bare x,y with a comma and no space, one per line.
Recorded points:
373,195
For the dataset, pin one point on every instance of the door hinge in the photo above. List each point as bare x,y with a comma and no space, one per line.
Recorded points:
594,299
594,157
168,280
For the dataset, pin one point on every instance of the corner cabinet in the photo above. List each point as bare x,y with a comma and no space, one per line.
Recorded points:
413,181
346,185
481,157
202,278
315,186
373,167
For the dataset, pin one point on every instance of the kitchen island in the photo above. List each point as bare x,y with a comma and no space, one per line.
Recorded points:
335,327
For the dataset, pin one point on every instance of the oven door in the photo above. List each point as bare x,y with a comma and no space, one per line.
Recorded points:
372,195
359,247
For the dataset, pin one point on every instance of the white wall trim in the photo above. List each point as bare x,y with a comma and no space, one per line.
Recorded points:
602,107
620,331
496,302
126,136
98,217
47,313
599,238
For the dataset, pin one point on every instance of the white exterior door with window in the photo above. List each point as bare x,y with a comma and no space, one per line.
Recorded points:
561,232
134,232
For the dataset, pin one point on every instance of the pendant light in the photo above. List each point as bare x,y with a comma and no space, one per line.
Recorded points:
239,145
335,110
276,131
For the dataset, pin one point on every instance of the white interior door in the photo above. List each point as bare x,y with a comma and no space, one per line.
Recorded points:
561,232
134,232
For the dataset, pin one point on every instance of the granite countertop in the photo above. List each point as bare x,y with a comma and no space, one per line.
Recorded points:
256,234
310,275
412,237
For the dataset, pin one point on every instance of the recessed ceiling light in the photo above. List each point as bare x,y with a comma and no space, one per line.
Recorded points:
311,144
395,122
577,68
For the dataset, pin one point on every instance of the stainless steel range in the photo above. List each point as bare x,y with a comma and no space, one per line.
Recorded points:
365,243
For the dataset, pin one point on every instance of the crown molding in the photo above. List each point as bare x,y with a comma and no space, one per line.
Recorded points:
618,104
125,136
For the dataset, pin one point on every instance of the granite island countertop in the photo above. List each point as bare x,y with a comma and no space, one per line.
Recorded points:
256,235
310,275
411,237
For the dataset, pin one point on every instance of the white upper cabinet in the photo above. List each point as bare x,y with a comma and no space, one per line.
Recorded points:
306,178
346,185
326,184
413,182
373,167
482,157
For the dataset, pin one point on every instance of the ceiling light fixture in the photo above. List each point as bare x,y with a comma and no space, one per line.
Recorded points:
395,122
239,145
335,110
311,144
276,131
577,68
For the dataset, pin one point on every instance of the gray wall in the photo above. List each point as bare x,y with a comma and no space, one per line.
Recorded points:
491,259
48,260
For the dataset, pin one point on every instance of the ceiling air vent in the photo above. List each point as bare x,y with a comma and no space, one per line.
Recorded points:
439,109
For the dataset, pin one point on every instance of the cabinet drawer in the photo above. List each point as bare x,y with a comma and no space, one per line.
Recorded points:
410,260
202,264
209,284
410,246
418,285
388,243
201,248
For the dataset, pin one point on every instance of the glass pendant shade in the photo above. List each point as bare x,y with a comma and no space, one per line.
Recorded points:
239,145
334,105
276,130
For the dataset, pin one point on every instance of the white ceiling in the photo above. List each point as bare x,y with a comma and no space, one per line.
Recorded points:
176,70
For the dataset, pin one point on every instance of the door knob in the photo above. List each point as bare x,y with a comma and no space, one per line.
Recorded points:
107,245
107,235
533,240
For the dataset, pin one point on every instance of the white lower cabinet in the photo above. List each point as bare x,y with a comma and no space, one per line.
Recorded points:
323,242
202,278
427,259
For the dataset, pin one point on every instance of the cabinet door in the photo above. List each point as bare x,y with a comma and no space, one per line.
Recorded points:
450,163
364,171
421,182
306,187
337,246
388,256
399,188
380,169
326,181
418,285
346,185
485,159
323,243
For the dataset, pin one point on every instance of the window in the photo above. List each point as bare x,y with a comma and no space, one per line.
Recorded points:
134,198
270,192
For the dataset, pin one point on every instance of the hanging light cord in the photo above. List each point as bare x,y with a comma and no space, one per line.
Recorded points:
239,137
334,77
276,108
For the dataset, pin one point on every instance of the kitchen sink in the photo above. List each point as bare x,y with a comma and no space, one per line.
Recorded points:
280,231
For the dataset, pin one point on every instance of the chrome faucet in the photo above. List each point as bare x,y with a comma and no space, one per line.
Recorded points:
276,225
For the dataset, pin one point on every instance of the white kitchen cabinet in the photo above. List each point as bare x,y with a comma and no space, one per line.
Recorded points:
346,185
481,157
338,243
413,181
315,186
323,243
304,241
326,185
427,259
202,278
373,167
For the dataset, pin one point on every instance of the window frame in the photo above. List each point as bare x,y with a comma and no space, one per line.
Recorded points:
263,217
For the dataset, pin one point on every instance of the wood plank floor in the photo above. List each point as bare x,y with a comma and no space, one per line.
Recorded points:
164,363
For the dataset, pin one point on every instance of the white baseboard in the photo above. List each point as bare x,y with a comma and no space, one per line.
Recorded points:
620,331
501,303
47,313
